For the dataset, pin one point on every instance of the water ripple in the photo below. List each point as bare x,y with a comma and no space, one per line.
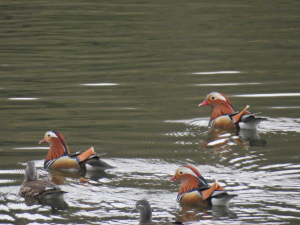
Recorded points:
203,121
31,148
23,99
226,84
268,95
285,107
280,124
21,206
5,181
4,208
100,84
32,217
6,217
12,171
216,72
114,195
270,125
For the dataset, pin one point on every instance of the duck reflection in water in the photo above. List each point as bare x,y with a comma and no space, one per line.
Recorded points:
203,212
42,192
60,177
251,137
221,140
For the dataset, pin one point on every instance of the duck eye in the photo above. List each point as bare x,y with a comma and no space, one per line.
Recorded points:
48,135
180,172
212,98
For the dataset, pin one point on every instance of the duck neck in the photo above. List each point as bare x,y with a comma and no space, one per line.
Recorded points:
145,216
31,174
220,109
57,149
189,182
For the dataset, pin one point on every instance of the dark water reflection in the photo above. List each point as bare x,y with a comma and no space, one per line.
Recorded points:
127,79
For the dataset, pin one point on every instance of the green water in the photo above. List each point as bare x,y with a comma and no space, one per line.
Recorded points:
149,123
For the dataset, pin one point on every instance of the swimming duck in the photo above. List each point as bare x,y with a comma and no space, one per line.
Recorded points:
145,210
195,190
224,116
32,187
59,156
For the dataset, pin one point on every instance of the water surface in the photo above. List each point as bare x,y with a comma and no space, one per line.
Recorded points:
127,79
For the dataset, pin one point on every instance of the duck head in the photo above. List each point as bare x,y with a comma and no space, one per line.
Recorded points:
189,177
219,103
58,146
145,210
30,172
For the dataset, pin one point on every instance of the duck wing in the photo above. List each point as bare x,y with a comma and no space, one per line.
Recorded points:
39,188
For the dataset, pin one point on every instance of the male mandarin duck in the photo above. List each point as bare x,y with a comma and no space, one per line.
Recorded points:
195,190
224,116
145,210
32,187
59,156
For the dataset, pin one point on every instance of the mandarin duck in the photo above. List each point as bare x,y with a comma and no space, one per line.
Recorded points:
32,187
59,156
145,210
224,116
195,190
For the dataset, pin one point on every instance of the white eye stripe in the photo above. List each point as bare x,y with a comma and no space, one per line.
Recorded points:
218,96
51,134
187,171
